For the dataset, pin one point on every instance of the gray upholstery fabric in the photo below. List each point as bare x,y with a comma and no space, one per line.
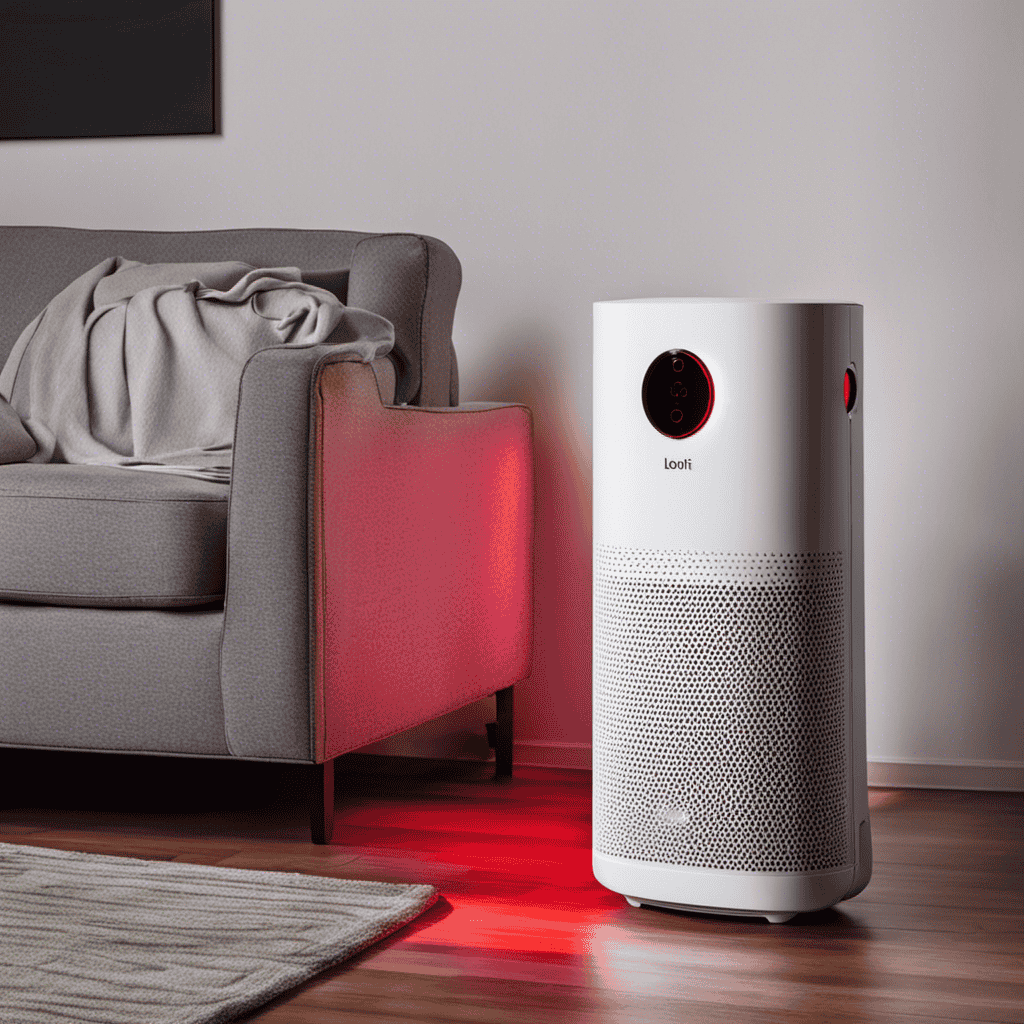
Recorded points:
111,679
424,301
109,537
408,279
265,650
16,444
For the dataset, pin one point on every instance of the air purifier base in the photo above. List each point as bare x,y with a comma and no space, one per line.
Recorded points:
729,912
713,891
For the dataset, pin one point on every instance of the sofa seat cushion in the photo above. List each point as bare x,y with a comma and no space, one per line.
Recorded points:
107,537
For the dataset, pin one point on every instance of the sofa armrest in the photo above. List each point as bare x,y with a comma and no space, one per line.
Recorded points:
265,647
379,558
422,558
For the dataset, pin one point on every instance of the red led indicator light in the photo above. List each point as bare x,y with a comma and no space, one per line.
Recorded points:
849,389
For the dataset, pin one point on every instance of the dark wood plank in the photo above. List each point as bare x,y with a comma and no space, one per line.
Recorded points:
523,932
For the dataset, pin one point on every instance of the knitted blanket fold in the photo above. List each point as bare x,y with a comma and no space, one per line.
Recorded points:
138,365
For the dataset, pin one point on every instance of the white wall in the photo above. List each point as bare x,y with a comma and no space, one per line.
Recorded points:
570,152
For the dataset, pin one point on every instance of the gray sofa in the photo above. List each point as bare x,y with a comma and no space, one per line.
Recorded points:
368,568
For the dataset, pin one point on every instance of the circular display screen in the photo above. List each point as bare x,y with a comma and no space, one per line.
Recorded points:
678,393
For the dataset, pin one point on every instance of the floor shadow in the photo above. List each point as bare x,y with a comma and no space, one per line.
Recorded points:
79,781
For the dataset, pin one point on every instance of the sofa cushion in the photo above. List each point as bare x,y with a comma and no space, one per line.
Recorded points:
105,536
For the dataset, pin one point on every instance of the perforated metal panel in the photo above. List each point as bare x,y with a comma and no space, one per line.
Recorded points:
720,709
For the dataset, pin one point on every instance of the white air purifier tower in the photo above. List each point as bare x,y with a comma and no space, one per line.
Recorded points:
730,770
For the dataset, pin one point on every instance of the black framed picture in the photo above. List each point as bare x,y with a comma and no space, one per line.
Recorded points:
103,68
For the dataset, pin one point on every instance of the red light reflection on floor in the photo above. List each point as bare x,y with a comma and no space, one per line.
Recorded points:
490,924
465,821
884,797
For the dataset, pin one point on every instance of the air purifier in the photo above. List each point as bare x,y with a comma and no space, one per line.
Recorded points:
729,761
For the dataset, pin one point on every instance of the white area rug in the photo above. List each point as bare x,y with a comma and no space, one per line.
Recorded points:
92,939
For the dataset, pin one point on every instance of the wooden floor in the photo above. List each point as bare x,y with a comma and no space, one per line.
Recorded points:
523,933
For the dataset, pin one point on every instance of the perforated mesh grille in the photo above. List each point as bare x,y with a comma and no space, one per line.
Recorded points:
720,709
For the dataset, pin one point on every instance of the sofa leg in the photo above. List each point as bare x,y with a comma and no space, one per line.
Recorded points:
321,802
503,731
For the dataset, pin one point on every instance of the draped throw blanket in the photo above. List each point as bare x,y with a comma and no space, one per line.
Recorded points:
138,365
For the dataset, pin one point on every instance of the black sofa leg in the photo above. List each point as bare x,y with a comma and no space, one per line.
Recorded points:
503,734
320,787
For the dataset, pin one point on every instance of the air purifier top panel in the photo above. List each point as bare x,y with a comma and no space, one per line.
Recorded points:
725,421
